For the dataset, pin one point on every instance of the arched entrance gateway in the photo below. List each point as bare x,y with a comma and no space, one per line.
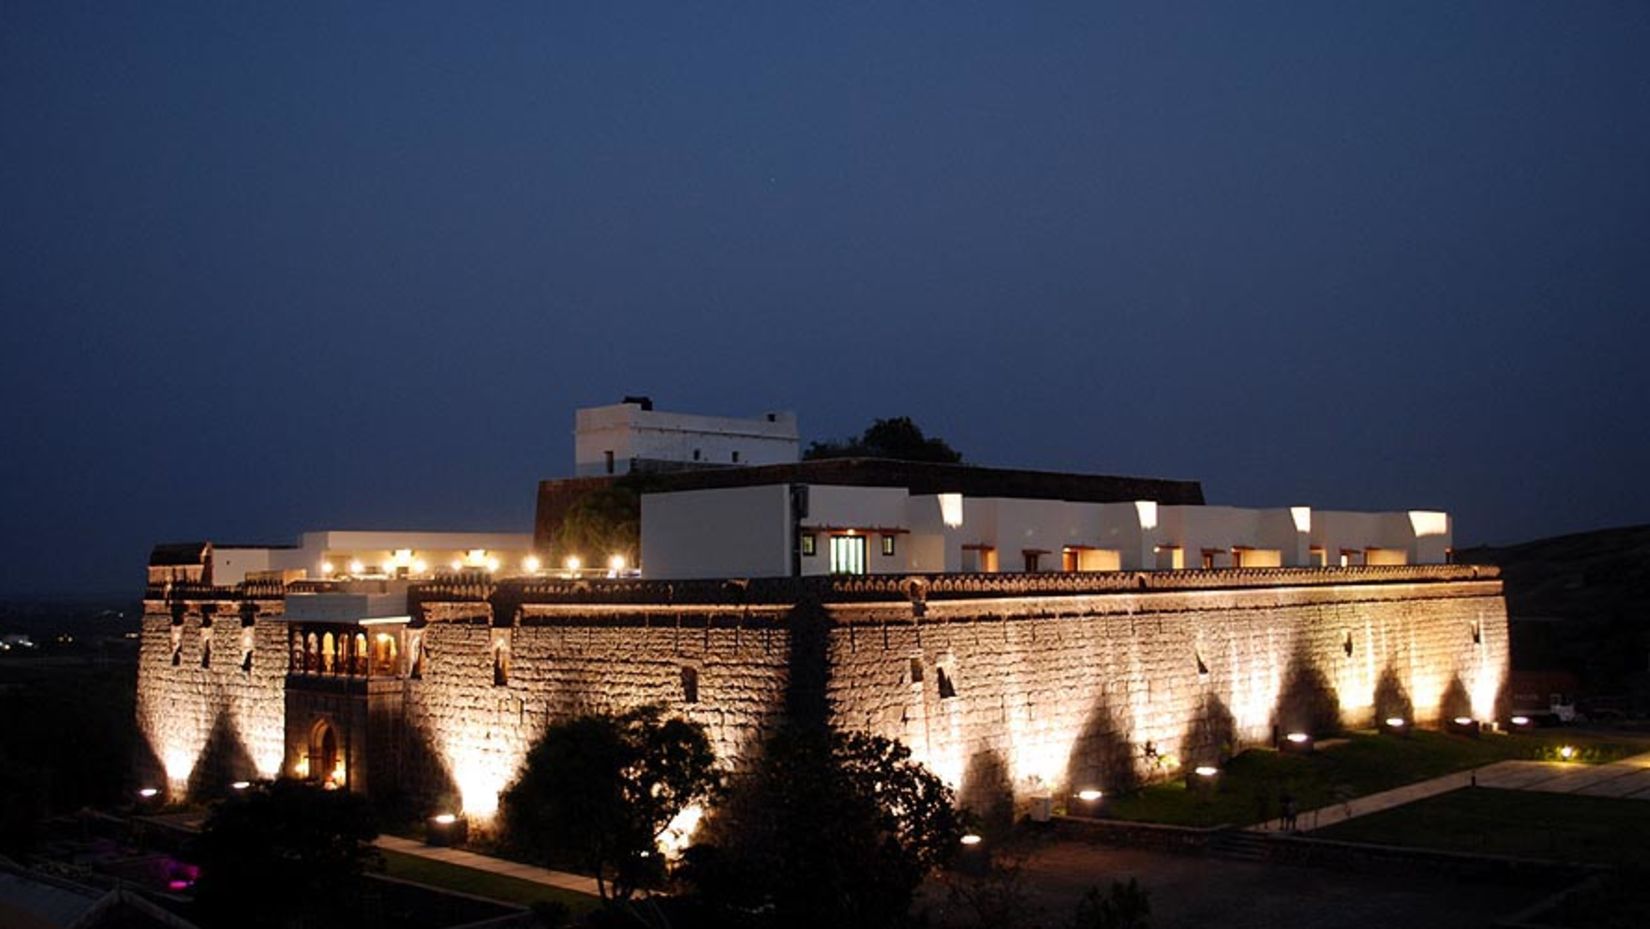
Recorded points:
326,759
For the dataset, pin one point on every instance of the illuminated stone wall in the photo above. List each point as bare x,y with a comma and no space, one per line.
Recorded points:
564,660
1015,685
206,727
1050,694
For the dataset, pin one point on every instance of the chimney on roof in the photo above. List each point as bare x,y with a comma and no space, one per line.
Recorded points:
645,403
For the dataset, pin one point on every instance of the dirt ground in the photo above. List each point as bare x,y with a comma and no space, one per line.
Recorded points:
1188,891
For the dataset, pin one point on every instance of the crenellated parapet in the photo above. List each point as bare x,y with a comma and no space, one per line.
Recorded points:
898,588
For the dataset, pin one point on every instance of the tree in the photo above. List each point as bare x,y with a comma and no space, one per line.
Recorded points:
897,438
597,792
828,829
602,523
282,853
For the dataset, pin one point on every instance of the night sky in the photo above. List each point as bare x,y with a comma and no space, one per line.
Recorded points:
272,269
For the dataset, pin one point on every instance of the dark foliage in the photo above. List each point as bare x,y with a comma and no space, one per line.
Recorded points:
597,792
23,806
898,438
828,829
283,854
73,728
602,523
1125,906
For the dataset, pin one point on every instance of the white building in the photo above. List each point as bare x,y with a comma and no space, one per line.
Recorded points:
779,529
633,436
346,554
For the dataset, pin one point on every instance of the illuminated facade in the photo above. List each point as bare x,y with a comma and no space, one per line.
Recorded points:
769,530
1032,684
1025,633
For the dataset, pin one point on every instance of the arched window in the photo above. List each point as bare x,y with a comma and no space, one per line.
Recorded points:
358,660
383,653
329,654
326,762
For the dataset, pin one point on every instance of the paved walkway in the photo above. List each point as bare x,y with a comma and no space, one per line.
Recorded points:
1629,777
577,883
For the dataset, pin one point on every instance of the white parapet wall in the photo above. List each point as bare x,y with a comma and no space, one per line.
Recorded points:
732,532
611,439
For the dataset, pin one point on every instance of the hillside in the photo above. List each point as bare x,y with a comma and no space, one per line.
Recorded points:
1579,602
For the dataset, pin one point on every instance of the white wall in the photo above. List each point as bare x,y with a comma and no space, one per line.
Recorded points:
1124,535
629,431
732,532
231,565
376,550
864,510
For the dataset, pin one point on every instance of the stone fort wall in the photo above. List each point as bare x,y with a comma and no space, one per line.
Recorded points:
725,670
1006,685
207,723
1048,695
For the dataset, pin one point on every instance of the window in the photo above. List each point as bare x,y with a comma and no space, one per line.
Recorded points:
809,544
735,457
981,558
1031,557
888,545
607,456
916,670
696,454
206,653
947,689
690,684
847,554
501,665
1317,557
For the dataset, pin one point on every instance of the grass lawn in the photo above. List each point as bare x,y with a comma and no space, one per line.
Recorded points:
1530,824
481,883
1249,786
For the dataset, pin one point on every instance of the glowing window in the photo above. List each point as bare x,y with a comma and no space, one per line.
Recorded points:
809,544
888,545
847,554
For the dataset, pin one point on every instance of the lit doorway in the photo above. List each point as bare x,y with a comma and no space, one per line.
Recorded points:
847,554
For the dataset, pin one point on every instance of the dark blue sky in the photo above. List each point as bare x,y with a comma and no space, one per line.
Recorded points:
267,270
